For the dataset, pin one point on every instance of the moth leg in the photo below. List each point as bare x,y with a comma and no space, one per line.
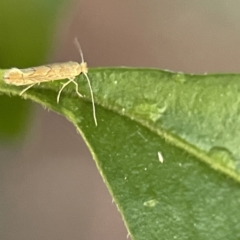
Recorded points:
63,86
78,93
25,89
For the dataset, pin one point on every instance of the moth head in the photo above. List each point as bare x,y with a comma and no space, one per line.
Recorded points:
84,68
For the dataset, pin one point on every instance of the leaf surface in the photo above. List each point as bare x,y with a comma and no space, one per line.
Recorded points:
192,121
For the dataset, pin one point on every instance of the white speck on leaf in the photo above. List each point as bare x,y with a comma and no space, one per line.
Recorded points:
160,157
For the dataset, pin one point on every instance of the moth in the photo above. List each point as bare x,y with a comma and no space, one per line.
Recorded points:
51,72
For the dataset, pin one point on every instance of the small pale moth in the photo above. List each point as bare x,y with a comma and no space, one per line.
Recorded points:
51,72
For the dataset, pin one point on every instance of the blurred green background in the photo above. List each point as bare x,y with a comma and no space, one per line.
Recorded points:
27,28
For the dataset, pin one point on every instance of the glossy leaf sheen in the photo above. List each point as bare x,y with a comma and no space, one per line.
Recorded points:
192,120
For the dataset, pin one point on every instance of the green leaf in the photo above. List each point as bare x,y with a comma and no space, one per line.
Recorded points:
192,121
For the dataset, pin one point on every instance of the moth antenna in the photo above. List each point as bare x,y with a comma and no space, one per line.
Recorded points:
93,104
88,80
79,48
